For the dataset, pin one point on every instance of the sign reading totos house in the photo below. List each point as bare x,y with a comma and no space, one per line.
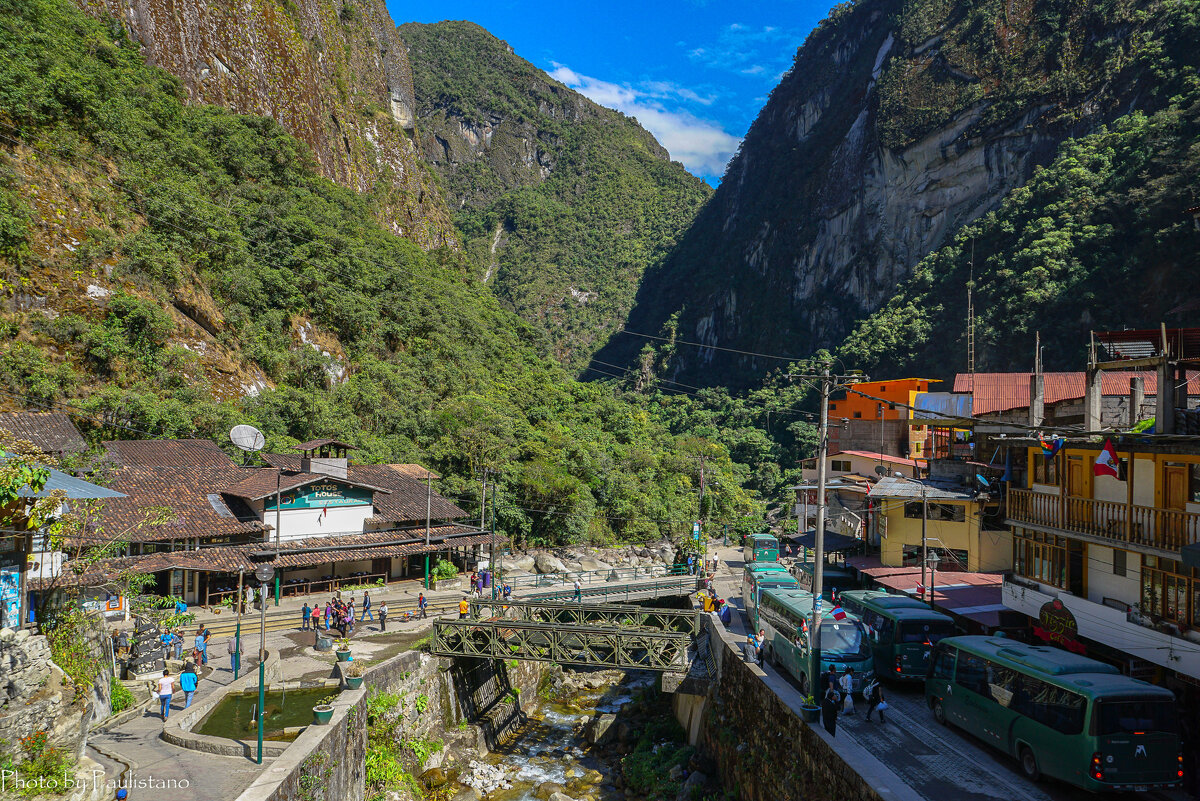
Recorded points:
1056,624
323,495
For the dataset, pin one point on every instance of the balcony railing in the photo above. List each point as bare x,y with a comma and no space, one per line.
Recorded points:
1169,529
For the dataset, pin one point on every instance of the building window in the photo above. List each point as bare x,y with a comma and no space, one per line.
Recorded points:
1169,591
838,464
1119,563
1041,557
1194,483
857,415
833,407
952,513
1045,471
949,558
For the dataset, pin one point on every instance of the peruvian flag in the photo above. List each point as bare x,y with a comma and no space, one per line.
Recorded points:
838,613
921,590
1106,463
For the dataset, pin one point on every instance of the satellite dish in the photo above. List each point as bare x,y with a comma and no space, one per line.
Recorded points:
248,438
880,470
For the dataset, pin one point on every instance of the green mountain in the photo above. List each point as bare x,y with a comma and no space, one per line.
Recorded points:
900,123
563,204
172,268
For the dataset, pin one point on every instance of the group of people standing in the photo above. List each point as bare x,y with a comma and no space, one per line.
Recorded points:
839,697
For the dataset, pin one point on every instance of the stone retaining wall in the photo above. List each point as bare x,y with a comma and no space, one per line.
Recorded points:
761,748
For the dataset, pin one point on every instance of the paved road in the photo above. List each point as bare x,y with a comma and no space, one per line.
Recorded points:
938,762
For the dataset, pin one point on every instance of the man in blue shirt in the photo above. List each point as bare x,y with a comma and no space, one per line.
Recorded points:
307,612
201,644
366,608
187,682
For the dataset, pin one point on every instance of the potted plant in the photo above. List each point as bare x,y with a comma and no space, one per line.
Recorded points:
353,673
323,711
809,709
343,649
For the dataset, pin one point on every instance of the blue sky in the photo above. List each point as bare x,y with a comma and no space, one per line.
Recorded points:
694,72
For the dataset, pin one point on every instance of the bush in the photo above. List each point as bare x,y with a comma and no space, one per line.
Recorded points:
122,698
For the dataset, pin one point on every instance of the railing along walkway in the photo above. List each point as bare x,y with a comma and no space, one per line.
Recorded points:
620,616
1169,529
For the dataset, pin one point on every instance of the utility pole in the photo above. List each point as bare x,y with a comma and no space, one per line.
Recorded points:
278,519
700,571
826,383
925,536
237,636
428,513
492,555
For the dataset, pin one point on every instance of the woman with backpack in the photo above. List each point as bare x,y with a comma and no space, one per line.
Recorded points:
875,700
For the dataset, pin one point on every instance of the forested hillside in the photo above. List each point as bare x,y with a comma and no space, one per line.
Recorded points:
173,269
563,204
901,122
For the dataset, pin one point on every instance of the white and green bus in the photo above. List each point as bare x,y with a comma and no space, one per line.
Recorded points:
760,548
784,615
756,577
1060,714
903,631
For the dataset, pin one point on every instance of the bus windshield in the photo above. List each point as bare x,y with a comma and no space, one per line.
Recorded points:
1135,716
925,631
842,639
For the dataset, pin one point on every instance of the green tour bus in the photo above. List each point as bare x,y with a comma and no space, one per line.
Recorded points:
758,576
833,577
784,615
760,548
903,631
1060,714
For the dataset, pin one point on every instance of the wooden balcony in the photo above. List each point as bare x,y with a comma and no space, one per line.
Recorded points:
1167,529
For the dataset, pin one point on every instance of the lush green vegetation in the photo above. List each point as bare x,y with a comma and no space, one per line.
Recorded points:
567,203
1099,239
202,214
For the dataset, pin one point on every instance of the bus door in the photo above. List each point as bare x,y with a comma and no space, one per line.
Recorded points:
976,710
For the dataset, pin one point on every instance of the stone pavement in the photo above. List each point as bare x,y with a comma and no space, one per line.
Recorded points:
134,749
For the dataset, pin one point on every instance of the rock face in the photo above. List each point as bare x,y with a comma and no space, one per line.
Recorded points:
333,73
900,121
37,696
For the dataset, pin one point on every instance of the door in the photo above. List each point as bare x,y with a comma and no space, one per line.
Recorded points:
1075,476
1175,486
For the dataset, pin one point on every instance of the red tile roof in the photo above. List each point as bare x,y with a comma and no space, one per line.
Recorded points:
51,432
262,483
999,392
168,453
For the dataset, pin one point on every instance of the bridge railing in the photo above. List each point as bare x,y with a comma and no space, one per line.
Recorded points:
588,577
622,592
624,616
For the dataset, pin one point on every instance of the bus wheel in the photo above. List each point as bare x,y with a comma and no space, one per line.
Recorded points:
939,713
1029,765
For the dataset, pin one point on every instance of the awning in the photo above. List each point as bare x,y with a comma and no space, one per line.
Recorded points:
832,541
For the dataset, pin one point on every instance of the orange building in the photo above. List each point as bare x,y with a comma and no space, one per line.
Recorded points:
899,394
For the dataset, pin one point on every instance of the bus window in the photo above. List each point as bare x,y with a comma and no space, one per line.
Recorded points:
842,639
1061,710
943,664
972,674
931,631
884,627
1127,717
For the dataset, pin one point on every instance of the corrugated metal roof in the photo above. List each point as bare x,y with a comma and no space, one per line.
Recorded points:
942,406
909,488
998,392
75,488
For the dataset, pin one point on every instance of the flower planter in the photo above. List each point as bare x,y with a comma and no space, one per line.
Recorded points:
321,714
353,682
343,656
812,714
323,643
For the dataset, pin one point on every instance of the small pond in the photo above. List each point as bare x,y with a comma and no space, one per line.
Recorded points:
233,716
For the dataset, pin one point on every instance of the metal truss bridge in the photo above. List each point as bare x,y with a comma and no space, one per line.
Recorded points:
597,635
619,590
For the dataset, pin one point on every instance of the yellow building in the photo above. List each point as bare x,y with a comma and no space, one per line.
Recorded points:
957,526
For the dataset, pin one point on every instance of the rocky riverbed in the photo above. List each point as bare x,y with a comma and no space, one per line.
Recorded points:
593,736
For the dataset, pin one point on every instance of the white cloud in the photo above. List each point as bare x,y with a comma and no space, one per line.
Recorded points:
702,145
749,50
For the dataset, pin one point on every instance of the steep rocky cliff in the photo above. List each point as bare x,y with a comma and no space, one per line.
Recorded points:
332,72
562,203
900,121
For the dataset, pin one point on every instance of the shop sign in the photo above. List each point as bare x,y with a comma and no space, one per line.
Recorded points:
1056,624
322,496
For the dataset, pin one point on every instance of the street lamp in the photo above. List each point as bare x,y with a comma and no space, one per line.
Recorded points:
932,560
264,573
924,526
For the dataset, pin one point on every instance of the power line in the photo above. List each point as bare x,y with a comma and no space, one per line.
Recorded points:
624,330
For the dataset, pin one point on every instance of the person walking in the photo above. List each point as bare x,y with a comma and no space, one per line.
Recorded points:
328,614
691,565
464,608
848,691
421,604
830,679
578,591
383,615
306,615
762,642
177,643
187,682
366,612
874,694
166,687
234,647
201,646
829,709
507,592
